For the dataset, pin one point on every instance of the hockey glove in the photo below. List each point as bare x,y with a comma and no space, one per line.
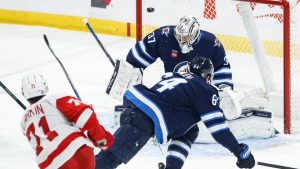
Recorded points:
245,158
230,104
107,142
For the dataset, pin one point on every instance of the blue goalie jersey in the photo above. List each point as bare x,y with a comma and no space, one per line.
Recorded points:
162,44
177,103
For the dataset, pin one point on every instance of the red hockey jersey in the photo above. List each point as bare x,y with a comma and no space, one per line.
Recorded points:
55,129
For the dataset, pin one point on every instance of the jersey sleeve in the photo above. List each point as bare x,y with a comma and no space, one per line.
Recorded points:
82,115
206,102
222,74
144,52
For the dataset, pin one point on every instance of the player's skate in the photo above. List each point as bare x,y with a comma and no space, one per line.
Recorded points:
161,165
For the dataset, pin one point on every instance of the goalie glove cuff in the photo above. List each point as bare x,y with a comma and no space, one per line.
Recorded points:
224,87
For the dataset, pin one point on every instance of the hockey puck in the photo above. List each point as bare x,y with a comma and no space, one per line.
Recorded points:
150,9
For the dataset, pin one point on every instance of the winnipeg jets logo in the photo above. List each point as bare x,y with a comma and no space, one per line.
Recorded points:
217,42
182,67
165,31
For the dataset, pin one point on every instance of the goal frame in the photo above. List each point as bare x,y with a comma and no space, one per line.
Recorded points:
286,51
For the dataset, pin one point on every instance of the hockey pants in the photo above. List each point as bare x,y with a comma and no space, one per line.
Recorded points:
135,130
83,159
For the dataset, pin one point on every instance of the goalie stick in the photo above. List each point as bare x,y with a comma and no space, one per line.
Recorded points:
12,95
62,66
86,22
115,64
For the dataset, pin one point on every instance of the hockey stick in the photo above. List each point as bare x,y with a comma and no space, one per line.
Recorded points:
86,22
12,95
274,165
62,66
162,165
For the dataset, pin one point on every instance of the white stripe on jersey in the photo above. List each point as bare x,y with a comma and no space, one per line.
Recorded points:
138,57
211,115
67,153
217,128
177,154
142,45
224,70
84,117
58,123
63,132
180,144
225,80
155,109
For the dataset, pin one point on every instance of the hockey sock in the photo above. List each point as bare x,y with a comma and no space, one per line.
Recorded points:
174,163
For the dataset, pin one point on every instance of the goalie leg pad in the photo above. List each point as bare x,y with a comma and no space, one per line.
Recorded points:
253,123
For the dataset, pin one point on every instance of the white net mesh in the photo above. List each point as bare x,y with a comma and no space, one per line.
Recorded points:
222,18
295,65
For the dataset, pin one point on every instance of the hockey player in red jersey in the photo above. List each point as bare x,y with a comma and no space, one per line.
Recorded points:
55,128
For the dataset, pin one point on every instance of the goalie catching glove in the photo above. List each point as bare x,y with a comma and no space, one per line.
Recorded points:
124,76
229,103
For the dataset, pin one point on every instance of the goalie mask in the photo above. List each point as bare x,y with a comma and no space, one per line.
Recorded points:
202,67
186,32
34,85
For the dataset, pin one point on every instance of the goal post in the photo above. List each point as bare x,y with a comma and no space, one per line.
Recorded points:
258,52
261,39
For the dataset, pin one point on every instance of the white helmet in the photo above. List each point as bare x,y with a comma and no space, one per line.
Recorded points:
186,32
34,85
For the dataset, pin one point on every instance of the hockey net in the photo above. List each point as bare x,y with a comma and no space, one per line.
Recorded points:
254,34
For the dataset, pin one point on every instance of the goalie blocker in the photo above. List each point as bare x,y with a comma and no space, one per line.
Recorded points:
124,76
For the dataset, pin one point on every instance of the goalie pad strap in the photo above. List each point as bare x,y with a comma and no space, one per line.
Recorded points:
246,112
